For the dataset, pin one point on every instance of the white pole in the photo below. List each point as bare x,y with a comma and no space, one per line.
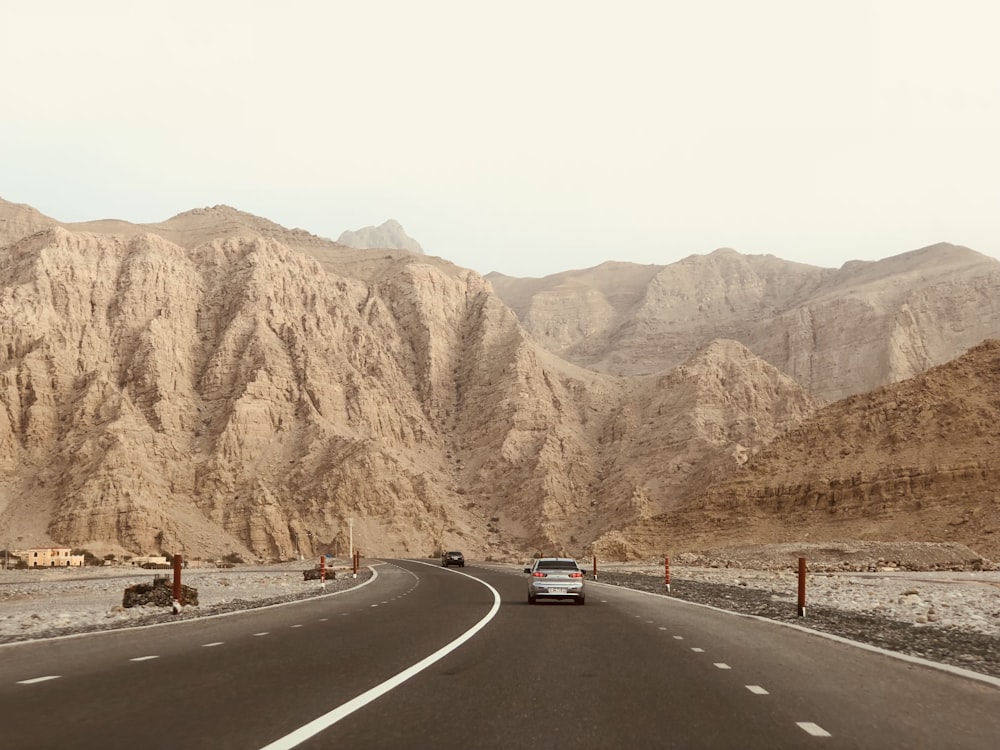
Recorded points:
350,537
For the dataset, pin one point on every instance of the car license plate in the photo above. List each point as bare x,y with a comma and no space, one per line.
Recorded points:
557,591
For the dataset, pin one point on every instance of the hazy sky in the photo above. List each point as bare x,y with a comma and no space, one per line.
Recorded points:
522,137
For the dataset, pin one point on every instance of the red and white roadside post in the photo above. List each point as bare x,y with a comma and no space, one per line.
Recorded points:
666,572
595,567
802,587
177,585
322,571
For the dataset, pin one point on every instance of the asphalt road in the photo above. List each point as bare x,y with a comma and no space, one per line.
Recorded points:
379,667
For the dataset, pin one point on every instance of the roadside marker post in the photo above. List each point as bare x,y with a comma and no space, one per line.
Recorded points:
177,584
595,567
666,572
802,587
322,571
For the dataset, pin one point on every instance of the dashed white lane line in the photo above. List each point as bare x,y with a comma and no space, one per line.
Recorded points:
678,637
257,635
144,658
698,650
814,729
35,680
296,626
323,619
210,645
757,690
722,665
662,628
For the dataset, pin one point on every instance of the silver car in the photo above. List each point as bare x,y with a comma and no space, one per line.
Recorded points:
555,578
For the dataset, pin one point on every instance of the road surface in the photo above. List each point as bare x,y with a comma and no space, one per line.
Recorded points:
427,657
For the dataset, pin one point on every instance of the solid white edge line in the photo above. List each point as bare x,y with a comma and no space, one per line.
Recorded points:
330,718
957,671
193,619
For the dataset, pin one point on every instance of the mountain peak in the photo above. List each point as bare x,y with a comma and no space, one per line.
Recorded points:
389,235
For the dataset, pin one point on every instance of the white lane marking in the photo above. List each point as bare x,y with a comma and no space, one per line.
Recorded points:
967,673
144,658
814,729
330,718
662,628
35,680
757,690
323,619
373,605
296,626
722,665
649,622
209,645
257,635
678,637
698,650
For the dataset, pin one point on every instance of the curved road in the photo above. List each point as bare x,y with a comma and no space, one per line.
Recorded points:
627,670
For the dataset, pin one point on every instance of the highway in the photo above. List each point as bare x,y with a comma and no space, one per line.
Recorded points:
427,657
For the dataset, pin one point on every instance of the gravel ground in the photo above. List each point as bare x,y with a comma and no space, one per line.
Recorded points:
52,603
955,645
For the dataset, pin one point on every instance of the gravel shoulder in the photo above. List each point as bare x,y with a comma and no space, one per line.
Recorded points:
37,604
895,612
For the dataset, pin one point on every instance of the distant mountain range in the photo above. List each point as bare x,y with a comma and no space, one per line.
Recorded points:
218,383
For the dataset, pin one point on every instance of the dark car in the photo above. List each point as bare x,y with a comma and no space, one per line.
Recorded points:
453,558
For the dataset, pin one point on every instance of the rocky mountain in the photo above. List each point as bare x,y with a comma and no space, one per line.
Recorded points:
235,394
388,235
913,460
836,332
218,383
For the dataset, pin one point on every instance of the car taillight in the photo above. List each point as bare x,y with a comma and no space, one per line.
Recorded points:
578,574
538,574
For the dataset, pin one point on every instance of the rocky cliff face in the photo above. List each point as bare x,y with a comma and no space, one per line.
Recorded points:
836,332
217,383
234,394
914,460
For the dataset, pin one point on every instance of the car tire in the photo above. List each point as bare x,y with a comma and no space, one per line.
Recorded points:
581,601
532,600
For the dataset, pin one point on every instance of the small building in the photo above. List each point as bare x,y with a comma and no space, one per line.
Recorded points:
149,561
51,557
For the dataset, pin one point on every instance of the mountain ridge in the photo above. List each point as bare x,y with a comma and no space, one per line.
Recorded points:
217,383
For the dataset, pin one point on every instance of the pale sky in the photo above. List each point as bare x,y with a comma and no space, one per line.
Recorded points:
520,137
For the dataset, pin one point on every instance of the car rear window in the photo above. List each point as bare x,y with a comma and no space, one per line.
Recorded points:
557,565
